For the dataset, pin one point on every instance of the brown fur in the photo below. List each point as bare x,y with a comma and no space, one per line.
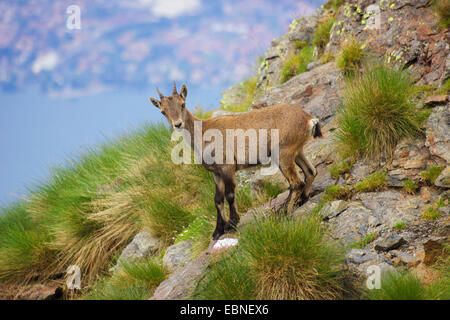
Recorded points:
294,131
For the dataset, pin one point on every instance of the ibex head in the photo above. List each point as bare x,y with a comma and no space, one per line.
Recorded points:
173,107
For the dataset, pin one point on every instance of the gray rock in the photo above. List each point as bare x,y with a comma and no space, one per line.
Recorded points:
443,180
390,207
360,170
352,224
143,244
333,208
360,256
308,207
181,284
315,91
389,242
403,258
359,260
410,159
177,255
438,132
312,65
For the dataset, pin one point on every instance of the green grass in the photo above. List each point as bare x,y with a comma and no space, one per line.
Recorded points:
439,288
299,44
431,213
136,281
246,95
202,114
272,189
398,286
365,241
227,278
430,175
442,10
375,182
340,169
326,57
337,192
378,110
405,285
399,225
334,192
24,245
91,207
296,64
322,33
350,57
445,88
410,186
277,258
333,4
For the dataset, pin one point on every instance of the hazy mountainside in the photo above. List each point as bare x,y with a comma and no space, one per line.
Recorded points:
376,74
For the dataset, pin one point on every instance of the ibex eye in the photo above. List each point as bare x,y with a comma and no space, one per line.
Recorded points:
163,112
183,105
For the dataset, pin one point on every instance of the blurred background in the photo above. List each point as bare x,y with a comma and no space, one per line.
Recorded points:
75,73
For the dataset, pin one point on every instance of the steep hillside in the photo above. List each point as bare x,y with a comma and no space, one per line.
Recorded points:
376,74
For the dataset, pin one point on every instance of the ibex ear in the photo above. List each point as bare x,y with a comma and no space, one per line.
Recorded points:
183,91
156,103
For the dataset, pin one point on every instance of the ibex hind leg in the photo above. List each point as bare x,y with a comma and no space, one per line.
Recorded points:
296,186
310,173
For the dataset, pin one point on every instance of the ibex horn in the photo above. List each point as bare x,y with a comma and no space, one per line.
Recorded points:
174,88
159,92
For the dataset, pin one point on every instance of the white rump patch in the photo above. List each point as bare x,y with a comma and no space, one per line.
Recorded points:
312,124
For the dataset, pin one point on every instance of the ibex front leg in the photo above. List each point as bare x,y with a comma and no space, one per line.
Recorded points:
230,187
219,202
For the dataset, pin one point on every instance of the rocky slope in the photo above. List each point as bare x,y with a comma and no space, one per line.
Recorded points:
387,224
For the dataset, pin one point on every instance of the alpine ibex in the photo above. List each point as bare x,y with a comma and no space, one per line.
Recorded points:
295,127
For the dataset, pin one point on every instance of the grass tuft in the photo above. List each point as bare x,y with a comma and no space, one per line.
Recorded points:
277,258
322,33
336,192
410,186
296,64
333,4
136,281
350,57
272,189
377,111
399,225
340,169
202,114
430,175
365,241
431,213
375,182
442,10
398,285
246,95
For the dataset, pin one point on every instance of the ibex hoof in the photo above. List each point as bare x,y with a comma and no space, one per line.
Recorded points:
217,234
230,226
302,200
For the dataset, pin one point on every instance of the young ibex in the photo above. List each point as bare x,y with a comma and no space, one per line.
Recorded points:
295,127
